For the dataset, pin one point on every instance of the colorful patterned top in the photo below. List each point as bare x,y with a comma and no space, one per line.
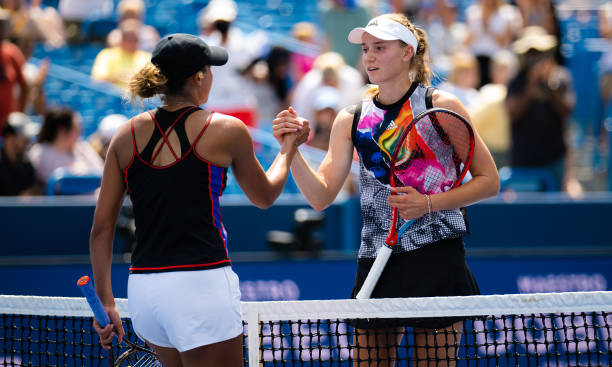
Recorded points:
374,135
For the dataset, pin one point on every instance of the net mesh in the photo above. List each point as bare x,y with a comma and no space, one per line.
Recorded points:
556,329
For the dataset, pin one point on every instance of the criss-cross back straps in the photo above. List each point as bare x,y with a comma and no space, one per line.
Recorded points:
165,135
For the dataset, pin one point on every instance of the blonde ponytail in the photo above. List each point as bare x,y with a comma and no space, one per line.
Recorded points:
420,65
147,82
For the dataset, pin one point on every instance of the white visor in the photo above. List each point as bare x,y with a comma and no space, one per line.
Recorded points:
386,29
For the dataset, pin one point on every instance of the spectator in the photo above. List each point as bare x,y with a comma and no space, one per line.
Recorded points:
326,104
538,13
301,62
446,36
605,77
117,64
59,145
412,9
36,77
100,140
31,23
464,78
279,74
16,172
328,69
488,109
11,76
540,99
75,12
134,9
542,13
492,25
338,17
234,93
78,10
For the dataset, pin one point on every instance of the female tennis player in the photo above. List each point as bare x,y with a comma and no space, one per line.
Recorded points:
184,298
429,259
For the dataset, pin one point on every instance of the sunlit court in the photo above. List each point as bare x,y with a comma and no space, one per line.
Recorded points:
305,183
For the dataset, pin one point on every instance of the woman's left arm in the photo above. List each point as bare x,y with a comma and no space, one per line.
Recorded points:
484,182
485,178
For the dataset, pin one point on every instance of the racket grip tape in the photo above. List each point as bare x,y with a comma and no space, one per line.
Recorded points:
85,285
377,268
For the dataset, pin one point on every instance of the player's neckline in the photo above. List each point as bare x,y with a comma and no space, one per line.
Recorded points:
399,102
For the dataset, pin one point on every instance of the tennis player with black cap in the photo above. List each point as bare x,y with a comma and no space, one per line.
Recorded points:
183,295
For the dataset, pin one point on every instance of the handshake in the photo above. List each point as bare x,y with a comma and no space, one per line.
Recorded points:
289,125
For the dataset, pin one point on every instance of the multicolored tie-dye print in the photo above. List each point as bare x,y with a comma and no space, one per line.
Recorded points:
378,132
375,135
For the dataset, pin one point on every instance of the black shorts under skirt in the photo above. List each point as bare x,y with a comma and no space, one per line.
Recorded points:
434,270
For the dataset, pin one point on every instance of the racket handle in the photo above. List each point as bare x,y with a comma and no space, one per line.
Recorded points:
377,268
403,228
92,298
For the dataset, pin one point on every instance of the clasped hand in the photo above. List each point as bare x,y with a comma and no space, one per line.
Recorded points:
289,124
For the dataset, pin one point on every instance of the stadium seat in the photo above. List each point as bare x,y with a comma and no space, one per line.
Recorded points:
526,179
63,182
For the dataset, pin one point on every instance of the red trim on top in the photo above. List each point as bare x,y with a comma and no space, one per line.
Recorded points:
165,140
208,120
203,129
184,155
134,153
183,266
169,130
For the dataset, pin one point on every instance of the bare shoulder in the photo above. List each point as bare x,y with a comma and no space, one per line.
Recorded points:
226,133
228,125
123,134
442,99
344,118
122,143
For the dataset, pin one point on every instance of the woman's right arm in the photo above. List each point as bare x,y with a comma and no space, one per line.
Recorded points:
321,187
261,187
110,200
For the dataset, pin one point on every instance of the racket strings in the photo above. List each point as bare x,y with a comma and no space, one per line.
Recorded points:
437,149
445,138
138,358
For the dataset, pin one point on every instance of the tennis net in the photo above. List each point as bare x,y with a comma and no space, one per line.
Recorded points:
552,329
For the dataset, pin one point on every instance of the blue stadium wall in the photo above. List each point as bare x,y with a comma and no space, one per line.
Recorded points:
524,244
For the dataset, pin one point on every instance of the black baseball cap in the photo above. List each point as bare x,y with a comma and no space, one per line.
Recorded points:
181,55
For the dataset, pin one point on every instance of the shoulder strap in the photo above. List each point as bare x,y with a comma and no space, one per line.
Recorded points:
356,117
428,97
184,145
179,128
206,123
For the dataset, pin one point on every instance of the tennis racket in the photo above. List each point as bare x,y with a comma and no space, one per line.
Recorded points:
432,154
135,355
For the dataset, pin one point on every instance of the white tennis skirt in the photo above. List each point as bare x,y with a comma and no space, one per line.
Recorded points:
185,309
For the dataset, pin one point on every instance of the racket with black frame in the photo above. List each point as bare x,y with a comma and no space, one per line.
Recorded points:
433,154
135,355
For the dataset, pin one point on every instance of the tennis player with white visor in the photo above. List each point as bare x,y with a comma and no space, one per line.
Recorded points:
429,259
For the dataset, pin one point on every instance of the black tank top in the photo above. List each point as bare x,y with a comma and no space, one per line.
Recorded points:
176,207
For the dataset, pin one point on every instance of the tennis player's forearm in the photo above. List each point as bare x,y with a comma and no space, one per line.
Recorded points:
477,189
101,255
311,184
277,178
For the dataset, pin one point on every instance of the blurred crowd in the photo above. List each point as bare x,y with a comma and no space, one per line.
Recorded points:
502,59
